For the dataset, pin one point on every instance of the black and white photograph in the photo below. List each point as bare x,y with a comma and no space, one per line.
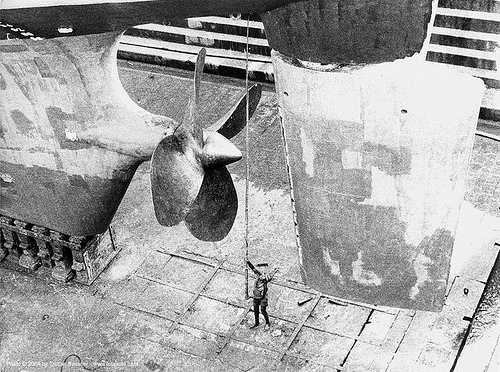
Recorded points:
249,186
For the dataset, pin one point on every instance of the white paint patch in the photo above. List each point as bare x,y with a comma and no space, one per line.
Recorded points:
332,264
29,159
71,135
362,276
307,152
92,161
421,266
336,96
65,30
384,192
6,177
351,159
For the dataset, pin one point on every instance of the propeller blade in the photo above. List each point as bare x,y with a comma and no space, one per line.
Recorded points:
212,214
190,121
176,178
234,120
189,180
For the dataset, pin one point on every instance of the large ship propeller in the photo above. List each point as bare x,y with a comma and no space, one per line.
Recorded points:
189,178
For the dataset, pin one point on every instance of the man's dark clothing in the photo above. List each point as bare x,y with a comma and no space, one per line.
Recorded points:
260,294
260,298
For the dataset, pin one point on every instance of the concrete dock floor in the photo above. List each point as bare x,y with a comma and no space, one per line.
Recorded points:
171,303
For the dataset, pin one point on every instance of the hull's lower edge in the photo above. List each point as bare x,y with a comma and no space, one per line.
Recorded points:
71,204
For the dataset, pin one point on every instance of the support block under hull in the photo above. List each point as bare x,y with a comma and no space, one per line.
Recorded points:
34,249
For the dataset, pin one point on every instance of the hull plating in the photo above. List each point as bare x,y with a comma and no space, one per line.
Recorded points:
70,136
378,157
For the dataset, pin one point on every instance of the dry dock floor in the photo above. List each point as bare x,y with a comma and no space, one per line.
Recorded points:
171,303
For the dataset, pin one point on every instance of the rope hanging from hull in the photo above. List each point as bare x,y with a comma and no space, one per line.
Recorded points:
247,149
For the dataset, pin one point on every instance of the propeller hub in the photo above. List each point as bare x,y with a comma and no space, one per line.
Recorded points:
218,150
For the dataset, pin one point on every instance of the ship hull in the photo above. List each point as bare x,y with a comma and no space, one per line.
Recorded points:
378,157
93,17
73,204
61,100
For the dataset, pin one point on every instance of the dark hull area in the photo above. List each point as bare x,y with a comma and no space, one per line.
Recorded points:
102,17
60,201
347,32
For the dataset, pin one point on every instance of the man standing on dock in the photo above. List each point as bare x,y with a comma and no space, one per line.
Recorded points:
260,294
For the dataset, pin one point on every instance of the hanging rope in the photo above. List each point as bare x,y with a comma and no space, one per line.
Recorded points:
247,148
